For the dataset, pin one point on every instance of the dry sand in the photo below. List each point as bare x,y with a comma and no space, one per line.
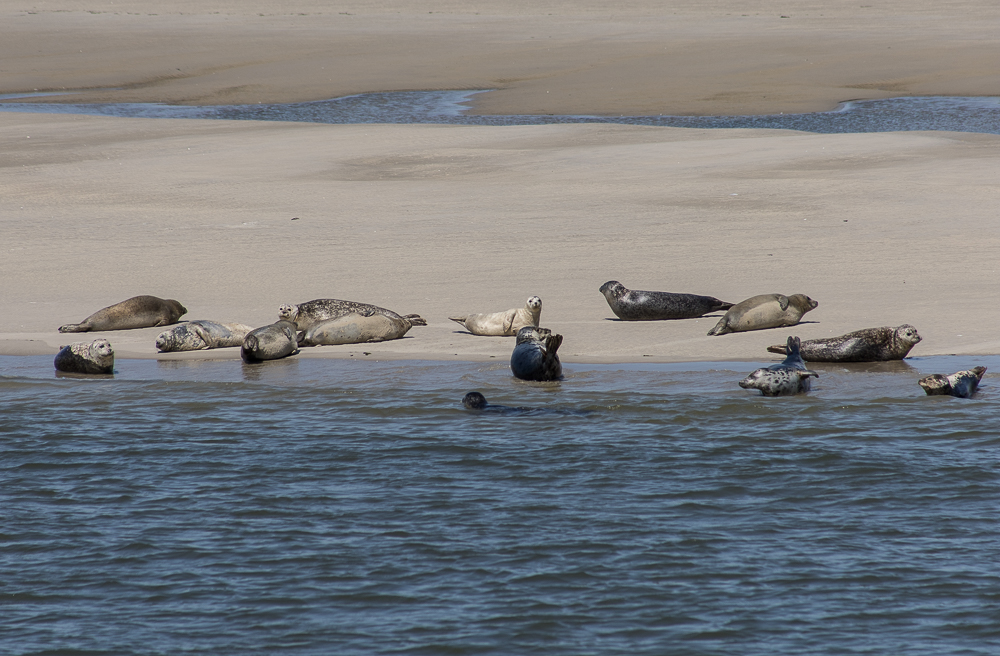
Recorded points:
236,218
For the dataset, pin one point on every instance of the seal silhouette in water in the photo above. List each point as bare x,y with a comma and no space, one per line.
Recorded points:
764,311
962,384
200,334
136,312
867,345
477,402
271,342
95,357
784,379
355,328
308,314
503,324
637,305
534,356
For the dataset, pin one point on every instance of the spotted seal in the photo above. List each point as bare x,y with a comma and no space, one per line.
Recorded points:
503,324
96,357
785,378
201,334
534,356
136,312
271,342
355,328
637,305
308,314
962,384
867,345
764,311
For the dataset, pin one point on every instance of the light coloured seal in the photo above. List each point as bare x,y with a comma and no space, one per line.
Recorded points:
136,312
764,311
962,384
355,328
503,324
95,357
637,305
534,356
787,378
201,334
271,342
308,314
867,345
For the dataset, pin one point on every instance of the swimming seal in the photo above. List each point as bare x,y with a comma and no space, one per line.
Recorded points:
95,357
271,342
534,356
503,324
636,305
867,345
200,334
136,312
784,379
355,328
962,384
308,314
764,311
476,401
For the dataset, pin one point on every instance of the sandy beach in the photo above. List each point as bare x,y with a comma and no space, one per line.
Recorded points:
234,218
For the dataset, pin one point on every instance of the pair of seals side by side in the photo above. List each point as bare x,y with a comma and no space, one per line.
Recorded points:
764,311
962,384
784,379
866,345
534,356
136,312
638,305
306,315
503,324
95,357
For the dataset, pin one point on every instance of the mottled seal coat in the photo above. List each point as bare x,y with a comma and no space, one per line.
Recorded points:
503,324
962,384
867,345
271,342
95,357
637,305
534,356
306,315
785,378
136,312
355,328
201,334
764,311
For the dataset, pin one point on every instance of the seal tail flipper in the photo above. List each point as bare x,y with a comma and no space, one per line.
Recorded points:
721,328
460,320
777,348
806,373
74,328
417,320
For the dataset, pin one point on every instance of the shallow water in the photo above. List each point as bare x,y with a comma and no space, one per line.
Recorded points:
354,507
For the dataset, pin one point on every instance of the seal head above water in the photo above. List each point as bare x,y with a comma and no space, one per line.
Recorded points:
534,356
962,384
867,345
95,357
764,311
637,305
784,379
503,324
136,312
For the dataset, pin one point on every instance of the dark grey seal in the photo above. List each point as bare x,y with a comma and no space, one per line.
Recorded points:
783,379
306,315
962,384
867,345
637,305
271,342
95,357
534,356
136,312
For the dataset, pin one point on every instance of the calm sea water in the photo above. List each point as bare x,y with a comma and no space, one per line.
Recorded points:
310,506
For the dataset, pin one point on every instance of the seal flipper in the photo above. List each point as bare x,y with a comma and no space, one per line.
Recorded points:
417,320
460,320
75,328
721,328
782,301
777,348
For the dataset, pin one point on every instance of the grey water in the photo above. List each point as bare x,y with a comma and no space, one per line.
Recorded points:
317,506
960,114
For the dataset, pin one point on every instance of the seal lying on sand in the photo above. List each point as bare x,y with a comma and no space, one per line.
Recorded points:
271,342
503,324
306,315
201,334
867,345
95,357
534,356
764,311
636,305
136,312
962,384
784,379
355,328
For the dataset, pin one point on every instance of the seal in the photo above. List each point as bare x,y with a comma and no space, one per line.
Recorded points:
786,378
355,328
271,342
201,334
136,312
534,356
503,324
95,357
477,402
636,305
764,311
867,345
962,384
306,315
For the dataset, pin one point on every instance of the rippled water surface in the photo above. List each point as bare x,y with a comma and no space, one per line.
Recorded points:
354,507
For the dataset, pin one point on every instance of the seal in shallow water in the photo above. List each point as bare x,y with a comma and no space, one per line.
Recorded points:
201,334
271,342
867,345
637,305
962,384
308,314
503,324
784,379
136,312
355,328
534,356
764,311
95,357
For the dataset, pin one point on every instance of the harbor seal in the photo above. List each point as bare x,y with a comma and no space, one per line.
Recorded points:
636,305
476,401
355,328
95,357
783,379
867,345
306,315
201,334
962,384
271,342
503,324
136,312
534,356
764,311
